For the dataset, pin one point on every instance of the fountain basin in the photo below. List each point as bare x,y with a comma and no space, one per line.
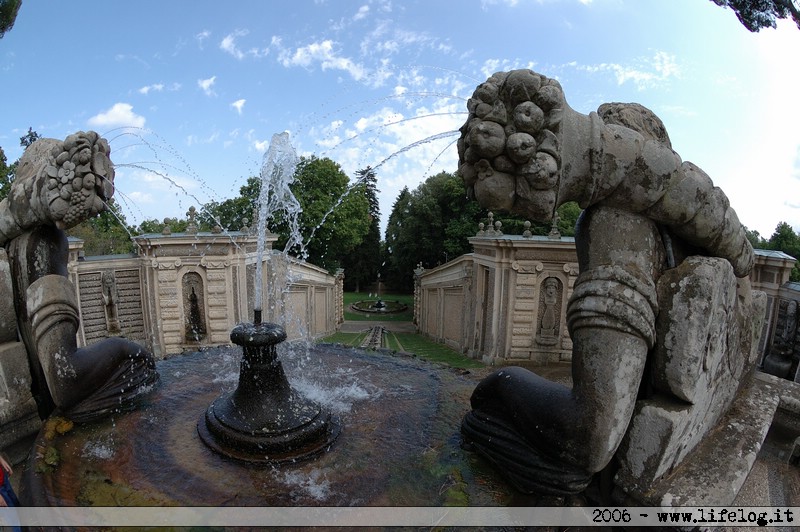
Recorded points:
399,444
264,420
379,306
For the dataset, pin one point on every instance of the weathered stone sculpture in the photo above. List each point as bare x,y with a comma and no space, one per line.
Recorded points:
58,185
657,313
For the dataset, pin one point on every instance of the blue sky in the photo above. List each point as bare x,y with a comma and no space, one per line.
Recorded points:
190,92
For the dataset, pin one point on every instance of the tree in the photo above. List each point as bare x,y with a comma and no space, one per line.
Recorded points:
231,213
397,269
785,239
105,234
757,14
7,173
6,176
430,225
29,138
153,226
8,14
755,239
362,265
333,220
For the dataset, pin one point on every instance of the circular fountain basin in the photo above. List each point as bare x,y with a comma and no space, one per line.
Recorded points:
399,442
379,306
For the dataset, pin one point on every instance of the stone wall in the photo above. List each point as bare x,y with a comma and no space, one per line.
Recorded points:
184,291
110,292
179,293
505,303
309,305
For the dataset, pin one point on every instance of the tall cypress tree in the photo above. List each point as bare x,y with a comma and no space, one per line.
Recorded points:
361,267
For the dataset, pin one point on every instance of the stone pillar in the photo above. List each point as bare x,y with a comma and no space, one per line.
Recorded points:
338,297
418,271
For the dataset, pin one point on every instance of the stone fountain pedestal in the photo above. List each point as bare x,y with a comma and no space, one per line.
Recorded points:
264,420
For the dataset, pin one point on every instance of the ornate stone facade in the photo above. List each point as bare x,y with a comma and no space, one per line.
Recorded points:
147,297
461,303
505,303
153,291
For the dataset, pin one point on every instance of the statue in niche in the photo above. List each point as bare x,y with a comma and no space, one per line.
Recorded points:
778,361
547,333
110,301
58,185
646,213
194,307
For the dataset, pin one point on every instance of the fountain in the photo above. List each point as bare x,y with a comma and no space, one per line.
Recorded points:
258,428
406,420
264,420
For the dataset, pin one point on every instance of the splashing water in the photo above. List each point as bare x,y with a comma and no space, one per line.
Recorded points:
277,173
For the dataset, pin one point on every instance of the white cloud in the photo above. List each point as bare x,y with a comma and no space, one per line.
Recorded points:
322,53
157,87
201,37
362,12
239,105
646,73
406,141
119,115
228,44
191,140
207,85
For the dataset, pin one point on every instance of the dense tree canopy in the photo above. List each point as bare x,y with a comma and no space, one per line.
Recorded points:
8,14
151,226
105,234
231,213
783,239
361,266
787,240
432,225
334,217
6,175
757,14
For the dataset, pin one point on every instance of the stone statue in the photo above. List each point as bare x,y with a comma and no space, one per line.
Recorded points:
646,214
58,185
778,361
110,301
549,320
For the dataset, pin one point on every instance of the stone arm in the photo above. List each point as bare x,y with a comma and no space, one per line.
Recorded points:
58,185
524,150
644,176
80,383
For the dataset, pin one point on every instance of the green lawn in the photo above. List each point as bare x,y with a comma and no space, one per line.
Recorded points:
417,344
426,348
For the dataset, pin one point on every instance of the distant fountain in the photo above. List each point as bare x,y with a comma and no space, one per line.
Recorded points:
264,420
